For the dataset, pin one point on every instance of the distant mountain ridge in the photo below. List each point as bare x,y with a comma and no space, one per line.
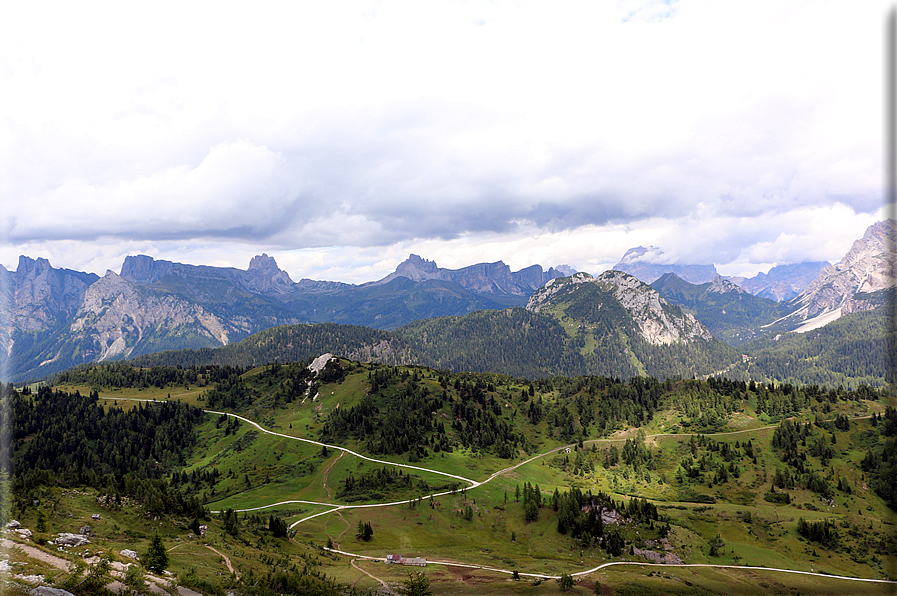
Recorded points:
781,283
612,325
59,318
483,278
645,269
731,313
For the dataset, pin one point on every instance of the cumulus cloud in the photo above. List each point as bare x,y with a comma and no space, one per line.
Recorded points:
710,130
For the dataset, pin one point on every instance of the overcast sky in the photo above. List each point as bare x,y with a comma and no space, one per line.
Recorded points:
339,137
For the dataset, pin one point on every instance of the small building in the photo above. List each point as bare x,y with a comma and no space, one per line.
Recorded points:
400,560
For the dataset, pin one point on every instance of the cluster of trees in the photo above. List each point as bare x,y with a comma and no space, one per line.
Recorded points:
714,462
116,375
791,439
397,417
374,484
68,439
532,501
823,532
365,531
580,516
880,462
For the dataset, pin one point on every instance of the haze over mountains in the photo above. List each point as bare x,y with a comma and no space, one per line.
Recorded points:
58,318
781,283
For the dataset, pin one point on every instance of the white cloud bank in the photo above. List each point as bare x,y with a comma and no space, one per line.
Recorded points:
341,136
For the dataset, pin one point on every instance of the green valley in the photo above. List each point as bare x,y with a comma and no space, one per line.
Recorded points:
502,484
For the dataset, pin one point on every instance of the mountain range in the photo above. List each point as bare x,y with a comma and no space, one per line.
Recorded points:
781,283
610,324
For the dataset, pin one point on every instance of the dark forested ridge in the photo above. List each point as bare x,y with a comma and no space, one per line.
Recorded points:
513,341
850,351
290,343
68,439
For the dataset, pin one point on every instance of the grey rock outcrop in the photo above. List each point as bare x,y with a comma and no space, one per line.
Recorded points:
49,591
116,314
71,540
660,323
867,267
205,282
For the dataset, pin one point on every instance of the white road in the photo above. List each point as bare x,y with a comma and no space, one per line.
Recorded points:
475,483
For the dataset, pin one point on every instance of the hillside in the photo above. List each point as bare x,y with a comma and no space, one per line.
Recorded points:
730,313
588,331
313,468
850,351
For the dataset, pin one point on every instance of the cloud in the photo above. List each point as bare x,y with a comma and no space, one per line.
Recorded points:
369,128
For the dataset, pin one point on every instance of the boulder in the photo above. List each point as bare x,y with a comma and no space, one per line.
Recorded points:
48,591
127,552
13,524
72,540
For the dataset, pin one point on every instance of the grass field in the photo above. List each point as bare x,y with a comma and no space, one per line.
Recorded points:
257,470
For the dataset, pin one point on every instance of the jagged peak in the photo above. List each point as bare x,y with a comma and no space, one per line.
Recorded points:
720,285
27,264
263,262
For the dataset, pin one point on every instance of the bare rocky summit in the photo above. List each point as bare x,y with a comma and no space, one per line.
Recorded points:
867,267
659,322
116,314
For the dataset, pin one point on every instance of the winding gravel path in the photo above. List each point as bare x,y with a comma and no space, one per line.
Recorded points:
475,483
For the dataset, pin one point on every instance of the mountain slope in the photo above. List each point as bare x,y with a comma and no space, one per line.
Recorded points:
729,312
852,350
118,319
783,282
867,267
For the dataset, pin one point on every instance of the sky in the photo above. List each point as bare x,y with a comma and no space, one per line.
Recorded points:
340,137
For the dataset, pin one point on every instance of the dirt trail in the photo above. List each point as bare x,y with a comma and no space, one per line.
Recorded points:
326,473
385,585
226,560
35,553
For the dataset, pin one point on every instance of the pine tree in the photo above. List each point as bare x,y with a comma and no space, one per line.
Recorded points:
156,558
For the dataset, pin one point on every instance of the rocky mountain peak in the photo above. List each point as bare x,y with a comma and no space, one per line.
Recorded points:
143,269
417,269
264,276
263,262
660,322
720,285
867,267
553,287
29,267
